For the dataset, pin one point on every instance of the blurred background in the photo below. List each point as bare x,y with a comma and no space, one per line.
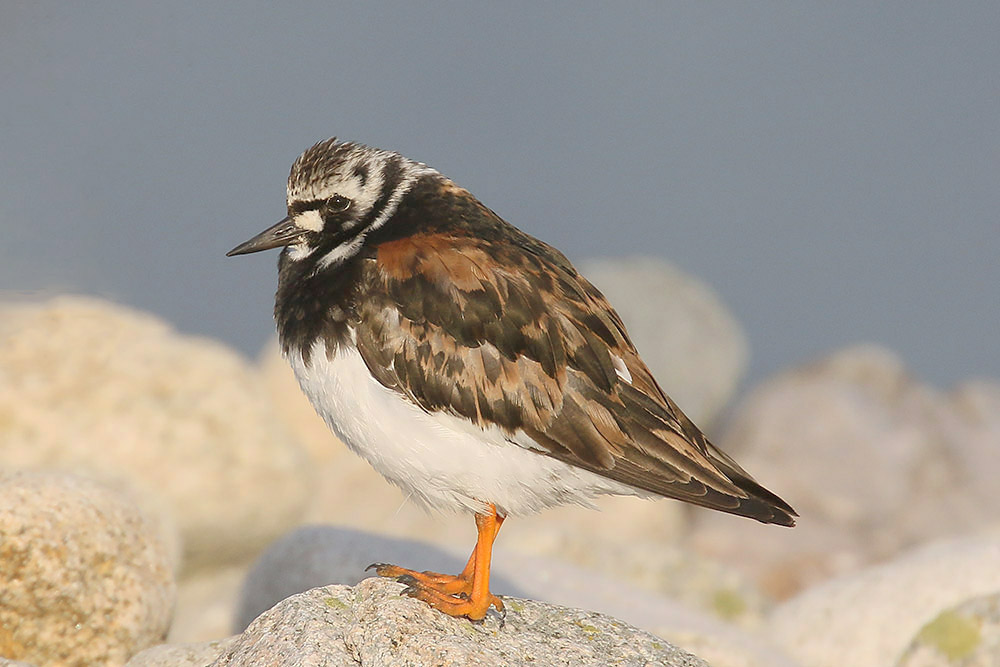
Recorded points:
831,171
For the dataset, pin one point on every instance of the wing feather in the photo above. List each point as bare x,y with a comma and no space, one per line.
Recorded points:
509,334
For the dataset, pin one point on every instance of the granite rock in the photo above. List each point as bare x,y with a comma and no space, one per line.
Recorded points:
194,654
874,461
967,635
316,555
373,624
184,420
705,632
84,576
312,556
868,618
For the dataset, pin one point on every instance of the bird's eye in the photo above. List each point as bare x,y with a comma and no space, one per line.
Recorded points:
337,203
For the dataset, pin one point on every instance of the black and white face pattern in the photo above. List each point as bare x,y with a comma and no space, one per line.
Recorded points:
339,193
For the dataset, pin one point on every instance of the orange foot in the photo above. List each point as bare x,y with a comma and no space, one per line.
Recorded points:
466,594
446,584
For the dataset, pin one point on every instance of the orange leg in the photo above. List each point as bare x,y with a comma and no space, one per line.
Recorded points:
466,594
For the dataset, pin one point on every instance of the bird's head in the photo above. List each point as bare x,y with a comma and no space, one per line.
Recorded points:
338,193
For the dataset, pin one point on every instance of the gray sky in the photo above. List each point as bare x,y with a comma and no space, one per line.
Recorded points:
831,169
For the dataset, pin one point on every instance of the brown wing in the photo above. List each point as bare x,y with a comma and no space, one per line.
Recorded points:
503,331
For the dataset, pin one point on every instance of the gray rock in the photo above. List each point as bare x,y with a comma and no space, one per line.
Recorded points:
313,556
868,618
875,461
318,555
967,635
187,421
654,565
84,578
372,624
196,654
719,642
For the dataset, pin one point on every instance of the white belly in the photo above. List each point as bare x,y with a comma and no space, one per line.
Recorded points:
440,460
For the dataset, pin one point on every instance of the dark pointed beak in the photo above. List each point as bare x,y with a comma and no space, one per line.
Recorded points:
281,234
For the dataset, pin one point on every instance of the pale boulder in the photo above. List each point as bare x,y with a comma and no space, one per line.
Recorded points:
967,635
317,555
873,460
184,420
84,576
192,654
312,556
868,618
372,624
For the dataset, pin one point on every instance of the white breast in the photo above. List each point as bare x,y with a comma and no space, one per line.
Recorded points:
441,460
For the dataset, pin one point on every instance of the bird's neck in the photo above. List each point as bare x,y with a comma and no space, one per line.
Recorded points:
312,305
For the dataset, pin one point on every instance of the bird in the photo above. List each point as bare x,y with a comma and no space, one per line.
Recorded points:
470,363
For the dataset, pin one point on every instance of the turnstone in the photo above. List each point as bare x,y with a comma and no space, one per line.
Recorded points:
469,363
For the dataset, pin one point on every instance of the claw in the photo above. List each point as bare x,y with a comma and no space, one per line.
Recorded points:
465,594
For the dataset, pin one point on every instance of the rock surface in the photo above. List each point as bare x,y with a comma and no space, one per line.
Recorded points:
313,556
84,576
874,461
317,555
651,562
703,632
185,420
867,619
967,635
372,624
182,655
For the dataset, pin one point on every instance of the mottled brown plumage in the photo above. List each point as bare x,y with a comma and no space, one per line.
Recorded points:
509,334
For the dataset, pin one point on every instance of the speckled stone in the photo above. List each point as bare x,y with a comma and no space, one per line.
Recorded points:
876,462
967,635
312,556
196,654
373,625
318,555
868,618
97,388
84,577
